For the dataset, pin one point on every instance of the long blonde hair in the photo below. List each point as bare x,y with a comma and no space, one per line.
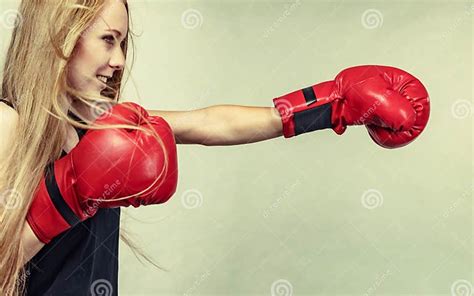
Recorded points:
42,44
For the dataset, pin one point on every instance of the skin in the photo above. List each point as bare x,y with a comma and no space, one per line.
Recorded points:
98,52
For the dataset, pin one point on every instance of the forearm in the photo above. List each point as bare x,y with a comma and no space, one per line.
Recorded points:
236,125
223,125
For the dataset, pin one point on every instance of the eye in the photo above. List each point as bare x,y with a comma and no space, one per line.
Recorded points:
109,39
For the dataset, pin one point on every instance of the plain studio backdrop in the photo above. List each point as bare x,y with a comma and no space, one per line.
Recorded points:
318,214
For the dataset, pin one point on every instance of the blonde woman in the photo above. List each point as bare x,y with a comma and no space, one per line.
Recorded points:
67,167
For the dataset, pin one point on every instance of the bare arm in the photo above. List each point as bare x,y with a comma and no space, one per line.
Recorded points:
31,244
223,125
8,121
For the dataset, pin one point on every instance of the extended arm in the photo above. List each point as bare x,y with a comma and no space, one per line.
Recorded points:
223,125
392,104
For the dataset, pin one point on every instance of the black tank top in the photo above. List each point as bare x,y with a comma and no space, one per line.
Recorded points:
82,260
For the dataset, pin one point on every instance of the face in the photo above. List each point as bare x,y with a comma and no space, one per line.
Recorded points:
98,54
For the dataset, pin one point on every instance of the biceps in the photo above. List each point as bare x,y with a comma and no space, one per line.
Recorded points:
184,124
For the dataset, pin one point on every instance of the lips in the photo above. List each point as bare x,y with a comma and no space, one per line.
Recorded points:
103,78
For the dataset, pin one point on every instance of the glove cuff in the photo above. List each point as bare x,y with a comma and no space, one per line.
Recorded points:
306,110
49,214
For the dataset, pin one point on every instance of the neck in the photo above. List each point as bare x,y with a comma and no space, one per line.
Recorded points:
82,110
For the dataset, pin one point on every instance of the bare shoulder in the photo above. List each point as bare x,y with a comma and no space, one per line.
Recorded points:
8,122
8,115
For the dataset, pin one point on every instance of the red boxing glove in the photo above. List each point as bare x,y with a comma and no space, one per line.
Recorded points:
148,159
106,164
392,104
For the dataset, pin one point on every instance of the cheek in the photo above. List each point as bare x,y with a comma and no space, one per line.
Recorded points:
90,52
74,71
83,65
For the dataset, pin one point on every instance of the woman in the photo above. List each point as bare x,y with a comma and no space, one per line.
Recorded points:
63,69
89,250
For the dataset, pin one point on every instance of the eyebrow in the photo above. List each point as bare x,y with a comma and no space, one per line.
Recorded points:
116,31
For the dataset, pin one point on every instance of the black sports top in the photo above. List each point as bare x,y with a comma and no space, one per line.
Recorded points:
82,260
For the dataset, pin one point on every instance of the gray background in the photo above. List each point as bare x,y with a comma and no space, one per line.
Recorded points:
318,214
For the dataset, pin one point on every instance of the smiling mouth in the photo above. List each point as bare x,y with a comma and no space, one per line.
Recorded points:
102,79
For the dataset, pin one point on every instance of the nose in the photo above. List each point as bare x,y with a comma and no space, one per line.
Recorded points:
117,60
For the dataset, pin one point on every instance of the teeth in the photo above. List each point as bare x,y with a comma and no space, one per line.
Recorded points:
102,78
